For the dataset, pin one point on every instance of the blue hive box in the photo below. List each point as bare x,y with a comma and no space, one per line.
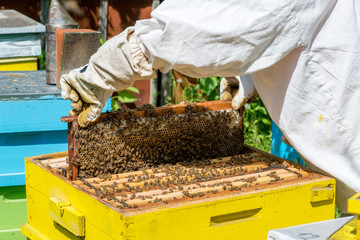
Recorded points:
29,125
281,149
30,122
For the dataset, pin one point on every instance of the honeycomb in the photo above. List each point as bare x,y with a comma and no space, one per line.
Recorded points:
123,141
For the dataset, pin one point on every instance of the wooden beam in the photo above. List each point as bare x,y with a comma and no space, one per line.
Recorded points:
44,11
103,18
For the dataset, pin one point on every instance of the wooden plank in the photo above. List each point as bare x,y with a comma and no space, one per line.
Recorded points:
162,176
118,176
103,18
55,160
58,165
248,179
151,171
44,11
73,150
193,189
217,105
20,45
50,156
14,22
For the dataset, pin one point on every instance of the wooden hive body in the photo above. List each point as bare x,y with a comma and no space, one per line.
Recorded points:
20,36
272,193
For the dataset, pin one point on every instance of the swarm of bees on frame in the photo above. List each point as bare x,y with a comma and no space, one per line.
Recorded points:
124,141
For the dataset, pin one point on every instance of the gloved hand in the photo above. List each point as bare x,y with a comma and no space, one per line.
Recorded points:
88,100
114,67
239,89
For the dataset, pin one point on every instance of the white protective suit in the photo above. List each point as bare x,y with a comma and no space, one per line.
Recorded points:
302,55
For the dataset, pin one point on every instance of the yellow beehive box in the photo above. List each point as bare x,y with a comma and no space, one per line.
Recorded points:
350,230
18,64
276,198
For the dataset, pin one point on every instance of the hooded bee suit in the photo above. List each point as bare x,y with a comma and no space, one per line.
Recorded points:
303,57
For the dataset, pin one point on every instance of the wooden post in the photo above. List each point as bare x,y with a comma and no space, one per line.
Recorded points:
73,150
103,21
44,11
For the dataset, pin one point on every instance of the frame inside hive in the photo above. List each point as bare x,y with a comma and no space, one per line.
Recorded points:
151,189
211,106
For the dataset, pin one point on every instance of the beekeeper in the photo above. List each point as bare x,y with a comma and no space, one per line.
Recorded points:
303,57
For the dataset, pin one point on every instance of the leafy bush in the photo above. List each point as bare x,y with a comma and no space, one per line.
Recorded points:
257,121
42,61
206,89
257,124
124,96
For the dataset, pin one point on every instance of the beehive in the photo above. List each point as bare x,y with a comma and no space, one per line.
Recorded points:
238,197
20,41
201,183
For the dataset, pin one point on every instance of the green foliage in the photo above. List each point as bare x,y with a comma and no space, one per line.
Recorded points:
124,96
337,212
206,89
42,60
210,88
191,93
257,125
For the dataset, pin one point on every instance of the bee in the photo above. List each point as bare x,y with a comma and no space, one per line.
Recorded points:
125,205
132,196
201,194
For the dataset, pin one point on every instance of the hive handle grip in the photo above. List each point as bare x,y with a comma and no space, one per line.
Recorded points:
236,217
67,216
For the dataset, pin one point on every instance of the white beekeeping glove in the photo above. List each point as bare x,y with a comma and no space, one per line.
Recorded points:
88,100
114,67
239,89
